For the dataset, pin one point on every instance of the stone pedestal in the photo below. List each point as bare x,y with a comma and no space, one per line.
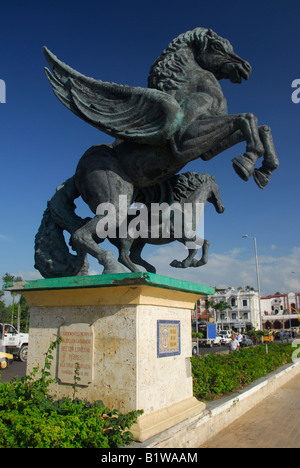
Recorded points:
129,333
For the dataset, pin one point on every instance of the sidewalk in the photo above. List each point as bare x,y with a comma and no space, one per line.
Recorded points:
273,423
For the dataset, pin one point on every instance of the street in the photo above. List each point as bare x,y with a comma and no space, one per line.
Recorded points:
17,369
215,349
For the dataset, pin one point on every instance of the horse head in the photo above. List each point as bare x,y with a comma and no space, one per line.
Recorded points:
215,197
215,54
208,185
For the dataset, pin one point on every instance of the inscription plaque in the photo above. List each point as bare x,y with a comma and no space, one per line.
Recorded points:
77,346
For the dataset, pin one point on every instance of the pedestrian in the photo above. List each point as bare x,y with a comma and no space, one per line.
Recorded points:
281,336
240,338
234,344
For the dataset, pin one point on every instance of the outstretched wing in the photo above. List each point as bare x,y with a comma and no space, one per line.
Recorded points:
131,113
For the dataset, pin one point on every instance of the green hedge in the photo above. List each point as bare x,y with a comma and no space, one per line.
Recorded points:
31,418
216,375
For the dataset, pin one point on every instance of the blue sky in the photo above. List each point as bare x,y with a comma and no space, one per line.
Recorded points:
41,141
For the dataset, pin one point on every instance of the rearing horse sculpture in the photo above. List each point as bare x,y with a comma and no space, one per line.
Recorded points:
181,116
179,191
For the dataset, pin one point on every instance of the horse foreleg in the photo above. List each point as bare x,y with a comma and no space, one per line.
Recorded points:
203,261
84,240
270,161
192,251
223,145
124,246
135,256
208,137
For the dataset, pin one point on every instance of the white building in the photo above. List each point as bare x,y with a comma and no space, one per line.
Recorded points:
281,311
243,313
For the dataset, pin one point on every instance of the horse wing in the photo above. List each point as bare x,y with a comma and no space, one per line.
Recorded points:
139,114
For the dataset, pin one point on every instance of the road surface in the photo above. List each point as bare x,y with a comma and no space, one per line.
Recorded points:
17,369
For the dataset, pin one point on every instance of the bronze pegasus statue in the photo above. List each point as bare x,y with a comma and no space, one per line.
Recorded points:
181,116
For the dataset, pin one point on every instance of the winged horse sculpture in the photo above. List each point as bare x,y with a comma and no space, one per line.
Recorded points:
181,116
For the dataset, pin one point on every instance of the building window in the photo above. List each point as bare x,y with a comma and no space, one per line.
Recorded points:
245,303
233,316
233,302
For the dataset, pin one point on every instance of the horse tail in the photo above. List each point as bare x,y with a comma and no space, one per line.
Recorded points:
52,256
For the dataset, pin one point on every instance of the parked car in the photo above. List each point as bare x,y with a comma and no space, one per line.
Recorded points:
218,341
6,359
227,333
246,342
268,338
194,348
225,340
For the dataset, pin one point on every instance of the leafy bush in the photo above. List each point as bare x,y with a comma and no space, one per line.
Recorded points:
215,375
197,335
31,418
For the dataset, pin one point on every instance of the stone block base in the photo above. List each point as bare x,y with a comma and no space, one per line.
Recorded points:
130,336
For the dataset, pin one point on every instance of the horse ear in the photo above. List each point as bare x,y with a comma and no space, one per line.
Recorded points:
213,177
210,32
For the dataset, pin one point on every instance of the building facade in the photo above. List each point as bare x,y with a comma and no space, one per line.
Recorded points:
281,311
231,309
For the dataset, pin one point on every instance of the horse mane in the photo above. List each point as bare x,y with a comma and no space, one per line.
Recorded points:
183,184
175,189
168,71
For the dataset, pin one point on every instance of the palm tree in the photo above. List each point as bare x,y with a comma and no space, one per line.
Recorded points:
221,306
211,304
217,306
8,278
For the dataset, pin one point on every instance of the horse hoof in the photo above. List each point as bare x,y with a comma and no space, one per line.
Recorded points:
112,268
151,270
176,264
261,178
243,166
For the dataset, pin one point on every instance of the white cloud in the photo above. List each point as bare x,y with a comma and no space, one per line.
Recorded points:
28,275
222,270
231,269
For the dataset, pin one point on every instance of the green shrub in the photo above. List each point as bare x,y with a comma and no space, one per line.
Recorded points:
215,375
31,418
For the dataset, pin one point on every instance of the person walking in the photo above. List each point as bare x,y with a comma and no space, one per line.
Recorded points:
234,344
281,336
240,339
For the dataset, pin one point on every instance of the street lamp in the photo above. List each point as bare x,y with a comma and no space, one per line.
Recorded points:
258,281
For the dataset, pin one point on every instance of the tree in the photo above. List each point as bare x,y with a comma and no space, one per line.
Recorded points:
8,278
218,306
221,306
